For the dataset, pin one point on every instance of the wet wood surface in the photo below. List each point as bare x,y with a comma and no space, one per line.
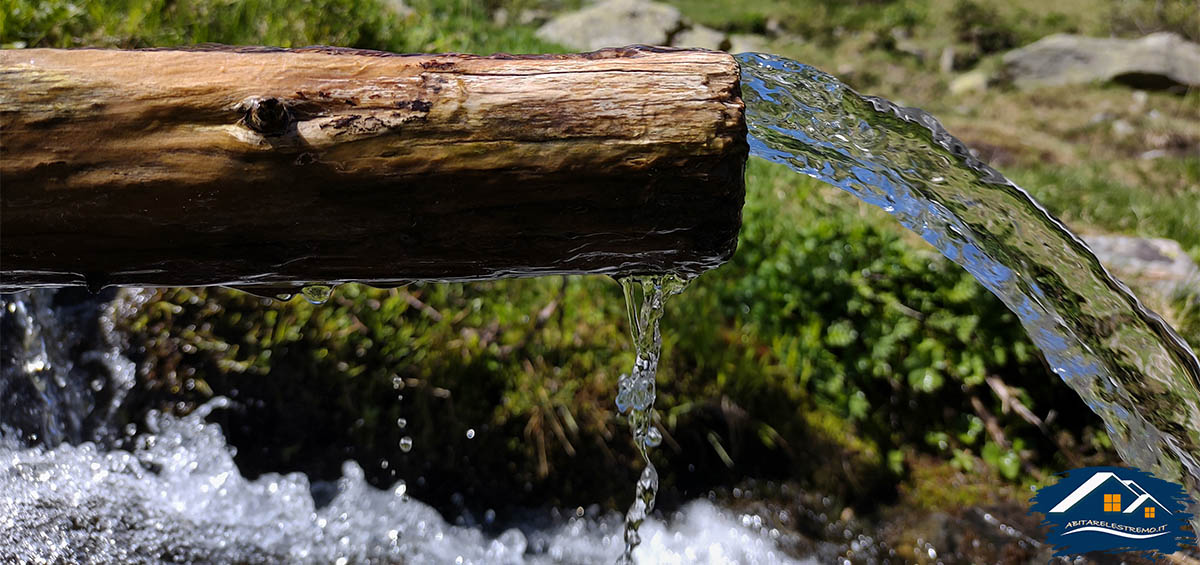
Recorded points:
257,166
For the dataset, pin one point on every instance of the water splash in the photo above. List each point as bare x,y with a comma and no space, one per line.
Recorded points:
177,497
63,382
636,390
173,493
1126,363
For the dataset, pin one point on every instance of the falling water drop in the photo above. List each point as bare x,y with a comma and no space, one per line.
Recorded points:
406,444
471,434
401,423
653,437
317,293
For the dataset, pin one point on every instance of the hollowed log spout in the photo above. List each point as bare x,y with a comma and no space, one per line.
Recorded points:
262,167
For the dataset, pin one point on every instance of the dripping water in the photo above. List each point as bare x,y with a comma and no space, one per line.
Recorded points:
317,293
1126,363
636,390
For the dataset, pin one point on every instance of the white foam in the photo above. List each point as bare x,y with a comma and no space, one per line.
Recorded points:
177,496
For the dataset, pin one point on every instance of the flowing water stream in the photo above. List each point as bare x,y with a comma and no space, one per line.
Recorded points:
1126,363
76,487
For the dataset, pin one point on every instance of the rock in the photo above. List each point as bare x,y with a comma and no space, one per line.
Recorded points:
614,23
1156,62
974,81
1122,128
534,17
399,8
1159,265
774,27
904,46
747,43
502,17
946,60
700,36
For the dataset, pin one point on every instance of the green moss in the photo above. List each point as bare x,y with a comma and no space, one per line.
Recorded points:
934,486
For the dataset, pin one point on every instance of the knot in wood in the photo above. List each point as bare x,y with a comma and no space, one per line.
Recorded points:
268,116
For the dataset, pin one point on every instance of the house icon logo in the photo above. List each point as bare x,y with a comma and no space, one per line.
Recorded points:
1114,509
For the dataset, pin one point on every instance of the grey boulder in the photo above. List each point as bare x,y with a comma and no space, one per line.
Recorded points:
1149,263
614,23
1155,62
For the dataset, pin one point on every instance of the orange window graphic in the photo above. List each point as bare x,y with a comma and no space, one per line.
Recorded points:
1149,511
1112,503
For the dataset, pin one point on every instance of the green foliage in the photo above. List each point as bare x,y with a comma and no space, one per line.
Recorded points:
528,364
424,26
980,24
1138,17
820,20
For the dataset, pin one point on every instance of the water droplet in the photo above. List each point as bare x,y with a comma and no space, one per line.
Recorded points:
653,437
471,434
406,444
401,423
317,293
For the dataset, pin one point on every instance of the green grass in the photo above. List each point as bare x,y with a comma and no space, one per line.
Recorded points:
1086,196
431,26
946,21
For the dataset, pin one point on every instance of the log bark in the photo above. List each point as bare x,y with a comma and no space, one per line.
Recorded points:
271,167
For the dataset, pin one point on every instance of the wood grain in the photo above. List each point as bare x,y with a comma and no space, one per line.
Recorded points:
258,166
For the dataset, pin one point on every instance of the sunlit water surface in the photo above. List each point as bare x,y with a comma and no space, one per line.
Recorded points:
1126,363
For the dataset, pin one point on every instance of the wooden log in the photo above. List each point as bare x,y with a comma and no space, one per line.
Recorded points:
271,167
